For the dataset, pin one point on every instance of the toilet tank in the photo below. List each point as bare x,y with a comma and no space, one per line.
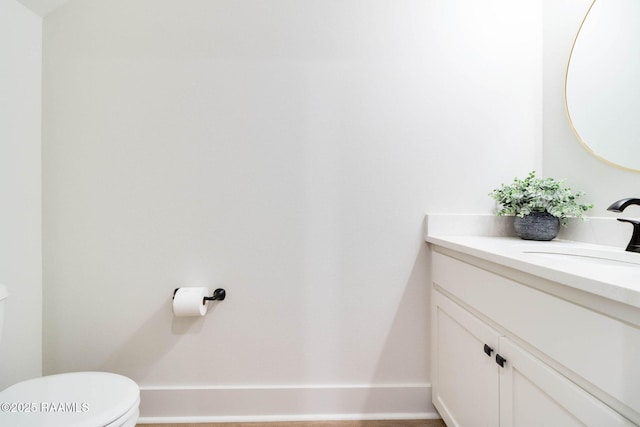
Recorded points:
3,295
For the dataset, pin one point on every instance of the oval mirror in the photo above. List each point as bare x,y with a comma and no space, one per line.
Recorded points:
602,86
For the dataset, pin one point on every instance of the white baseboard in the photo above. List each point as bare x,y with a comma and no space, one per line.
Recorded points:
289,403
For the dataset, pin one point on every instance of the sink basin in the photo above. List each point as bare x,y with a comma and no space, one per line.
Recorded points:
586,253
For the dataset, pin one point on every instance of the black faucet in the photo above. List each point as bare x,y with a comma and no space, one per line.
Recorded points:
619,206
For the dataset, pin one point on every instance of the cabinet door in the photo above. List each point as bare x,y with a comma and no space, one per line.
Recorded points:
465,378
533,394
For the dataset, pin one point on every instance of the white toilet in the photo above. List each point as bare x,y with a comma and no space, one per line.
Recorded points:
77,399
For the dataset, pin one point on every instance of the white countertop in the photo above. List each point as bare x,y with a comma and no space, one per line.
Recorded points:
619,281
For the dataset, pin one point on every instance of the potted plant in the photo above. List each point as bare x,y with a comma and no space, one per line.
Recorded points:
539,206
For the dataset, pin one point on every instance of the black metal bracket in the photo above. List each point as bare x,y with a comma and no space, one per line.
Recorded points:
218,295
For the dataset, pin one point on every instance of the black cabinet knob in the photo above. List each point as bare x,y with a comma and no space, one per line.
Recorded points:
500,360
488,350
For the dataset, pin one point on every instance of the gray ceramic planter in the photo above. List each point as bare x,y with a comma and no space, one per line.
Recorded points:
537,226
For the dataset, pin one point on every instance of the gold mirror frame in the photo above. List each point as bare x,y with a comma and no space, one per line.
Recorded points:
566,102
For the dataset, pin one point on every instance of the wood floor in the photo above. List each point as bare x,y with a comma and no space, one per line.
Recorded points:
380,423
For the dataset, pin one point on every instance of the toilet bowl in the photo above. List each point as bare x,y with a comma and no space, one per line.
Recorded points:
76,399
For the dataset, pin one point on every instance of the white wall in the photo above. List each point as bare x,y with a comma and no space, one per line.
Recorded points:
564,155
287,151
20,192
42,7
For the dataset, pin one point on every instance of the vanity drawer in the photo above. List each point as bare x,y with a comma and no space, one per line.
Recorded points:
599,349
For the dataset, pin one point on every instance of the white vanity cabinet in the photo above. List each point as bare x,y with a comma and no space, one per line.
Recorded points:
465,380
563,364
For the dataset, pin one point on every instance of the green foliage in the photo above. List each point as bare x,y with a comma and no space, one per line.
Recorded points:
532,194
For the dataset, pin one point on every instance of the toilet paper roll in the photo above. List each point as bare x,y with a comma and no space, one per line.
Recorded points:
189,302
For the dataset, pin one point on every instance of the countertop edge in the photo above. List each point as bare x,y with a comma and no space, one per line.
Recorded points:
495,249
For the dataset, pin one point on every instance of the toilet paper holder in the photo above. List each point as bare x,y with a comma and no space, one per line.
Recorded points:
218,295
